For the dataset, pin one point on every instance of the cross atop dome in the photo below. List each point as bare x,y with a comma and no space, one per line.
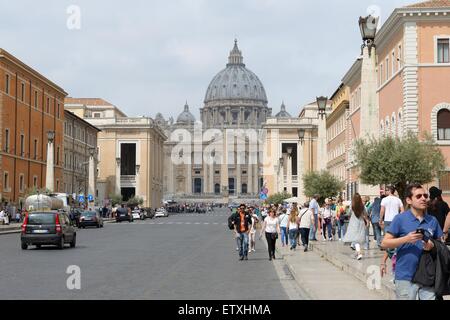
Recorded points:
235,57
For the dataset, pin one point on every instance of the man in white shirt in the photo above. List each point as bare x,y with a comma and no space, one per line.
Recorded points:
314,207
390,207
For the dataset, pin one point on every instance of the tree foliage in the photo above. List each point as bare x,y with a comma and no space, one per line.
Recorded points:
115,199
398,162
322,183
278,198
134,201
35,190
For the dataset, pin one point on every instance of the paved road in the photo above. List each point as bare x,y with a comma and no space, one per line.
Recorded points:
185,256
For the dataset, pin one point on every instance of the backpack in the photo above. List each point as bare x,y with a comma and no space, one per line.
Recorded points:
231,222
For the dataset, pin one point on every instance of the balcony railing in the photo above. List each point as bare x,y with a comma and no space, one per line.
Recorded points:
127,181
294,180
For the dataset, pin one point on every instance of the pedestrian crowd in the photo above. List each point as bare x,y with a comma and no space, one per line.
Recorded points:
412,235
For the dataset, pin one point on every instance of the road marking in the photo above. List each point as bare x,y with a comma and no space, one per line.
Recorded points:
205,222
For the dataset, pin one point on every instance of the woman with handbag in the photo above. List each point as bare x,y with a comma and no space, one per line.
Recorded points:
271,227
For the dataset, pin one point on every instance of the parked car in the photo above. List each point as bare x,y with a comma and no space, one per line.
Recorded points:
123,215
149,213
136,214
47,228
90,218
161,213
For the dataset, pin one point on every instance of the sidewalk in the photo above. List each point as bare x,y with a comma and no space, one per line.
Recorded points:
323,280
344,271
343,257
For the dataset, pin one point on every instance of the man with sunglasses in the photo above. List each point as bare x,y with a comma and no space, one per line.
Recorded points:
406,234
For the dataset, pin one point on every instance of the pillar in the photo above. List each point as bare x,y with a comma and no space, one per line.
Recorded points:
224,165
91,187
117,176
289,173
300,172
50,172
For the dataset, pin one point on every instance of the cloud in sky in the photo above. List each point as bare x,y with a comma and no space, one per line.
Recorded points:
152,56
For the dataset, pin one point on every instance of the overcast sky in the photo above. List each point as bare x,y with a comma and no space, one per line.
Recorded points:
151,56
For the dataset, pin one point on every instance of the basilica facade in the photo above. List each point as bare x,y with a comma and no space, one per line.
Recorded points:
221,156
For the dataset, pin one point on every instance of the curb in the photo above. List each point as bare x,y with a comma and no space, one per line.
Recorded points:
308,291
387,289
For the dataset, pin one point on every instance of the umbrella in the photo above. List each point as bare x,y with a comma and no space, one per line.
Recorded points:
292,200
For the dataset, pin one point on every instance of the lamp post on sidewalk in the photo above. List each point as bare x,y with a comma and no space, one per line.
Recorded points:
322,103
50,171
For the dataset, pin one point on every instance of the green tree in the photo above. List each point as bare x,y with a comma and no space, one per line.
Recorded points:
115,199
399,162
278,198
134,201
322,183
34,190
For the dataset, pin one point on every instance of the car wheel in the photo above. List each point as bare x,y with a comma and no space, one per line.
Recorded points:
74,241
24,246
61,243
38,246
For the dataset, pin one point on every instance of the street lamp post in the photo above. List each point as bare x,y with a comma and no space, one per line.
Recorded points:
368,27
369,109
322,105
91,188
50,170
301,135
321,132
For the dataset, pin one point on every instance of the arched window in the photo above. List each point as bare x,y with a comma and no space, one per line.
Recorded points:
217,188
244,188
443,124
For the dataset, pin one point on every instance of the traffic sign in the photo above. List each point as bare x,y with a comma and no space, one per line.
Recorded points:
90,198
81,198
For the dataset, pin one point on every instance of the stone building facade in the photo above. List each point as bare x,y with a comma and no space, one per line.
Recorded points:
80,144
130,152
220,155
30,106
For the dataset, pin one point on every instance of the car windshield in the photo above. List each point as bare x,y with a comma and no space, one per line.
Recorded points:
88,214
41,218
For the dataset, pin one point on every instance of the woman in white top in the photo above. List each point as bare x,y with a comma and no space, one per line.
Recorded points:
271,227
283,218
356,231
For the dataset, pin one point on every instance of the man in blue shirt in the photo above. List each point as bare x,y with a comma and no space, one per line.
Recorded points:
314,206
403,236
